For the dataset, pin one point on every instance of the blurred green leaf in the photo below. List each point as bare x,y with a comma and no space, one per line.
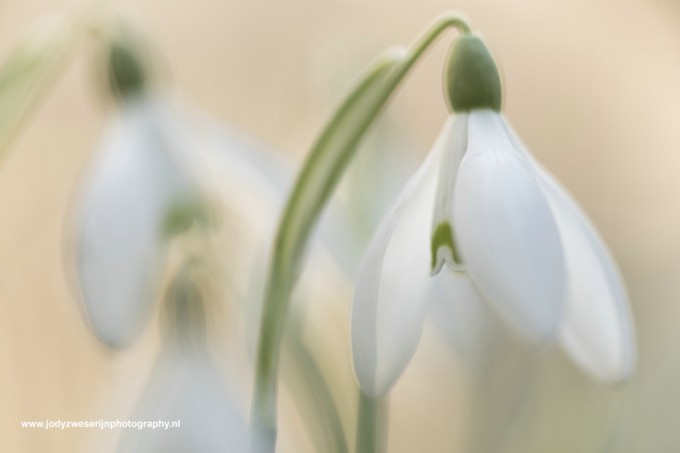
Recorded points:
28,70
312,392
319,176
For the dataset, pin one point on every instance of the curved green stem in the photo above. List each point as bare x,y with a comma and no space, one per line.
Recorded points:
320,175
282,273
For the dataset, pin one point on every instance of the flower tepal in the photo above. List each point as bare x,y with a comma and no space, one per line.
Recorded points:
481,207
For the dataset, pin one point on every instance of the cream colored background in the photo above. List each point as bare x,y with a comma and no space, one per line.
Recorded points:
593,87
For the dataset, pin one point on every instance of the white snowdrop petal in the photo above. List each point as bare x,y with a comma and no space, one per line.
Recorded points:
393,282
597,331
506,232
460,313
118,245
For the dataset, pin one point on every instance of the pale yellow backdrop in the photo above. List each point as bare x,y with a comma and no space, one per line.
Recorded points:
592,86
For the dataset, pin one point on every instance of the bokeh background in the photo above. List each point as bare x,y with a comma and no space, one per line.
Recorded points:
592,87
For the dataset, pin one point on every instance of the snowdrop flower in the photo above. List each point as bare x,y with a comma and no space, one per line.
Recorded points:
158,171
186,386
136,178
484,216
132,186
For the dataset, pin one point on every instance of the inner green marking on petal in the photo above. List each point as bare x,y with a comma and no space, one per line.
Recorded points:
183,215
443,239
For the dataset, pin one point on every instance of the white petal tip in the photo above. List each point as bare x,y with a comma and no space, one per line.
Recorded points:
615,379
378,373
606,359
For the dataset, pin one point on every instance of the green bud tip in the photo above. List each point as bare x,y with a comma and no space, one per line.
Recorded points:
471,76
127,71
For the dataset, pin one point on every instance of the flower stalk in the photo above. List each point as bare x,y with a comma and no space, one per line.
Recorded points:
318,178
372,424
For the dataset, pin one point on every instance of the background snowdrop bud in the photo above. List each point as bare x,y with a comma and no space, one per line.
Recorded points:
185,384
471,77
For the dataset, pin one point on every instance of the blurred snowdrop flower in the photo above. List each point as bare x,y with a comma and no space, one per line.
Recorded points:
186,386
158,171
132,187
508,234
138,175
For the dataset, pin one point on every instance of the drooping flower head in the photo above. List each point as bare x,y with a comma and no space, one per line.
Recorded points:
185,385
484,216
160,170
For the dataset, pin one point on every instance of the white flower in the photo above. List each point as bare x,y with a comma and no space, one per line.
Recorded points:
154,160
137,176
160,171
186,386
510,237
